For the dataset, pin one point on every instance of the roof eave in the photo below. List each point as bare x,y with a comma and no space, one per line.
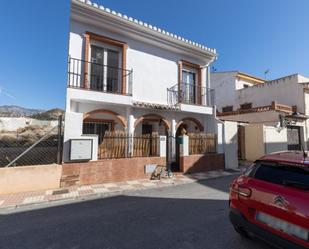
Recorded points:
79,8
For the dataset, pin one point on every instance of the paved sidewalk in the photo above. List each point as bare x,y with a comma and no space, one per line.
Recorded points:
99,190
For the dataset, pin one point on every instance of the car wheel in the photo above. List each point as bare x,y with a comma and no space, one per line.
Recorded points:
242,232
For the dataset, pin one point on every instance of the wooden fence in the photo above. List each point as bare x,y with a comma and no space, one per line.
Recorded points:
114,145
119,145
145,145
202,143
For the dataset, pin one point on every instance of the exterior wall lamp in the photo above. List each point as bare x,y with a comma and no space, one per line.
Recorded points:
288,120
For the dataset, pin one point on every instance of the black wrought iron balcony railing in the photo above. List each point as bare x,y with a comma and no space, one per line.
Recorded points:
98,77
191,94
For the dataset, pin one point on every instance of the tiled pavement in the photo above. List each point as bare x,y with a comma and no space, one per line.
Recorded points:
107,189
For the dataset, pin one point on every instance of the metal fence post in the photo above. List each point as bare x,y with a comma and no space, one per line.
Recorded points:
59,148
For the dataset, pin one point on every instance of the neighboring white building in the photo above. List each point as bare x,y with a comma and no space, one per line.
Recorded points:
227,86
126,75
251,100
15,123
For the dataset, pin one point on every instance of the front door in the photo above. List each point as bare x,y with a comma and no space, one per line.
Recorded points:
294,140
178,141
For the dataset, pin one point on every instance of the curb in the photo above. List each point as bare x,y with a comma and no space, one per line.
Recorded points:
94,196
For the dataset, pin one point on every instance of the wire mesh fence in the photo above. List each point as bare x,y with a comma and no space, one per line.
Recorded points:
31,145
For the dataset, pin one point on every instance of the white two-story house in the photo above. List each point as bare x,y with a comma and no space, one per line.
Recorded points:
130,78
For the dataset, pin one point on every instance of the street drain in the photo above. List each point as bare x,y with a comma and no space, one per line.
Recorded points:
60,192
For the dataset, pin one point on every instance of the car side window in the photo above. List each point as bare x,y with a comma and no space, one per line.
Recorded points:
250,170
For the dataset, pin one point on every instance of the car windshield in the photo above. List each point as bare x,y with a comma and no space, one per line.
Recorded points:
287,175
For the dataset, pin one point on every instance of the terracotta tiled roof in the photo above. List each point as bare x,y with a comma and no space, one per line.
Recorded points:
155,106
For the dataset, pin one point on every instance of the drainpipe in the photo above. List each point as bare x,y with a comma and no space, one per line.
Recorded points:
207,78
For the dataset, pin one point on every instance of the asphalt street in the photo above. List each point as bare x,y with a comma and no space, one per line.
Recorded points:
187,216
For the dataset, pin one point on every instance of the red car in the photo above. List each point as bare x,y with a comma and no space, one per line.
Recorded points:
271,200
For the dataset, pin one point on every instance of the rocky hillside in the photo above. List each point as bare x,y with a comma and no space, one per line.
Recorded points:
52,114
17,111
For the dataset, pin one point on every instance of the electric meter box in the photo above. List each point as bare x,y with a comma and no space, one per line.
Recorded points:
81,149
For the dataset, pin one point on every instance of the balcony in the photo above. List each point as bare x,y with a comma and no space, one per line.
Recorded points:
191,98
99,78
191,95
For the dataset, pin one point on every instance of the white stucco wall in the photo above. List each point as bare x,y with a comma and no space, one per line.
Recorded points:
230,91
275,139
154,69
224,85
240,83
285,91
230,146
73,129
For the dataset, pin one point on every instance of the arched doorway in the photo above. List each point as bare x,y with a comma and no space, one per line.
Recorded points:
152,123
101,121
148,128
184,126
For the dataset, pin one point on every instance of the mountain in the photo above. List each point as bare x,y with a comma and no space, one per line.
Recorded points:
52,114
17,111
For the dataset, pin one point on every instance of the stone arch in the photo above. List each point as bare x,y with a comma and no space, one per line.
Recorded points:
122,120
194,120
152,116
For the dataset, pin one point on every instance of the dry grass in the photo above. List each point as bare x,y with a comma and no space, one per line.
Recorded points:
24,136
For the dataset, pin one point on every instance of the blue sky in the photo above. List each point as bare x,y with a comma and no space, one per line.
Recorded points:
250,36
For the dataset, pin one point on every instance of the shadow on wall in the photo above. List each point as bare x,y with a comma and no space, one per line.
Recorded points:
163,218
275,147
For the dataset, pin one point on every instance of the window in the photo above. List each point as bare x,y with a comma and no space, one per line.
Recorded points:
246,86
146,129
97,127
104,71
293,176
189,86
246,106
112,77
227,109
